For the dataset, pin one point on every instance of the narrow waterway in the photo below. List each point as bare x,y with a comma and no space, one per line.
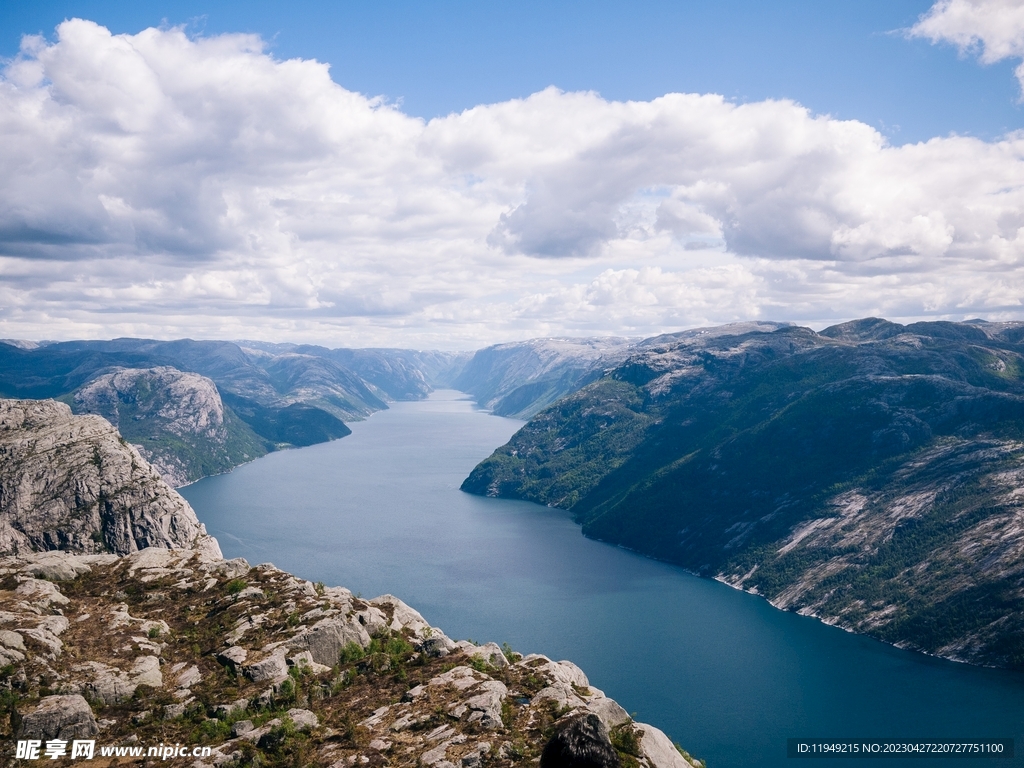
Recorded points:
723,673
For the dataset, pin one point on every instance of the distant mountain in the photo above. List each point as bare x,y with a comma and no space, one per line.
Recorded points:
869,474
399,374
176,420
260,396
523,377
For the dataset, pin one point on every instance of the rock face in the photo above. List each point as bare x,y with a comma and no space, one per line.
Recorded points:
868,474
73,483
178,646
177,421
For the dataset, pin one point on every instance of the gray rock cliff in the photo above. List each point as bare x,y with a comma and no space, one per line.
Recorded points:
73,483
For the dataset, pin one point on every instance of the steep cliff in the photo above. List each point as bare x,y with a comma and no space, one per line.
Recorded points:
73,483
177,421
869,474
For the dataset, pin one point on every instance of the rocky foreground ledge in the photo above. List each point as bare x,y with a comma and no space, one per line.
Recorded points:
172,646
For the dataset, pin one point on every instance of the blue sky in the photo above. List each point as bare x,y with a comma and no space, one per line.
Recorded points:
456,174
840,58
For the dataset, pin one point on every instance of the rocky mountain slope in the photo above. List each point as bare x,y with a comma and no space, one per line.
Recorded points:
73,483
174,647
176,420
523,377
869,474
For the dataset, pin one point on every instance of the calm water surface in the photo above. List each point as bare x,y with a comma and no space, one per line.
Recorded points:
722,672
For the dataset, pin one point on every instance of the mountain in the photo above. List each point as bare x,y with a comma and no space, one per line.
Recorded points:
523,377
868,474
176,420
73,483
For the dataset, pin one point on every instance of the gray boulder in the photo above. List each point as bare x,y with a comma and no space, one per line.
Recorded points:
485,706
303,719
273,667
59,717
325,639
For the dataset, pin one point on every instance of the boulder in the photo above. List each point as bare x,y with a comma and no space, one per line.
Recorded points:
372,619
303,719
485,706
56,566
609,710
40,592
403,617
273,667
233,656
59,717
229,569
304,660
13,640
659,749
325,639
491,654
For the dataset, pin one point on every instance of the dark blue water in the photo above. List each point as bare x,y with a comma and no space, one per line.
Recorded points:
722,672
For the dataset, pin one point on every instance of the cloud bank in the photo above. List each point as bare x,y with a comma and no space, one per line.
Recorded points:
159,185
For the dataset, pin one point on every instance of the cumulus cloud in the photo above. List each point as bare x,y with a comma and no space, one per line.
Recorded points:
156,184
994,29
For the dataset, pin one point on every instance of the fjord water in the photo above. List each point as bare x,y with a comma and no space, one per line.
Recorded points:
723,673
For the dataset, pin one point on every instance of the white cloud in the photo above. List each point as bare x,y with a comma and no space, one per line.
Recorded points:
158,185
994,29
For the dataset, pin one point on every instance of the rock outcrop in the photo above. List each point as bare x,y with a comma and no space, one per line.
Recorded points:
179,646
73,483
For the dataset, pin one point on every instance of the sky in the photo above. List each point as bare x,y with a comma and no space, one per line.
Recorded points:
456,174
